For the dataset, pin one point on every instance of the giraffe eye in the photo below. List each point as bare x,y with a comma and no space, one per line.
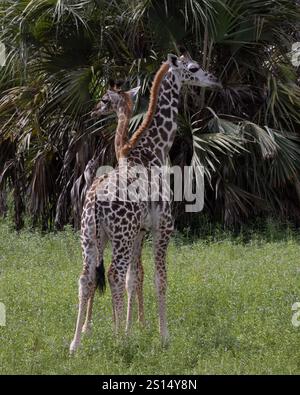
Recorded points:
194,69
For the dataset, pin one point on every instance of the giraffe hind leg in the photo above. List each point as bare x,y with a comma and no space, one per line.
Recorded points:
117,274
134,282
87,285
85,292
99,283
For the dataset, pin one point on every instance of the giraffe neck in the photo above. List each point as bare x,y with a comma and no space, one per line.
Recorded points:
124,114
160,134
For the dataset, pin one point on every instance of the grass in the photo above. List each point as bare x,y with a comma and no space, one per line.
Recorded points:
229,308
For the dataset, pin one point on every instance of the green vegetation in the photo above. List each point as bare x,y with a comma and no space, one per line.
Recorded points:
61,54
229,308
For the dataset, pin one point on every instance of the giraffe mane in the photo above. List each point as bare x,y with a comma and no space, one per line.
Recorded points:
150,112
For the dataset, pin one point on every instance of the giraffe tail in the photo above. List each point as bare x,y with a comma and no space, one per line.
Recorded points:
100,277
100,271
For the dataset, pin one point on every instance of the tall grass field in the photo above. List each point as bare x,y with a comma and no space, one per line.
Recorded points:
229,308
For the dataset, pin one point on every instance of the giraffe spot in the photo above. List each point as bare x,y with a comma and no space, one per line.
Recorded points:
118,228
124,221
159,121
168,125
115,206
167,95
112,217
121,212
163,101
175,94
166,112
166,84
117,244
163,134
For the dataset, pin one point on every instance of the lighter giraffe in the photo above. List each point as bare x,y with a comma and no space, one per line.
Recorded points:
120,102
124,222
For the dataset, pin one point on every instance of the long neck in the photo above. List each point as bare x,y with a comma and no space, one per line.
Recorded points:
124,114
160,135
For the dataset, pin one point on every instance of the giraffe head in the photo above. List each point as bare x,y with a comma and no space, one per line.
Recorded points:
190,73
114,100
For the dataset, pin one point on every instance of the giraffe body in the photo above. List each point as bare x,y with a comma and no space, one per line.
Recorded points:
123,221
117,101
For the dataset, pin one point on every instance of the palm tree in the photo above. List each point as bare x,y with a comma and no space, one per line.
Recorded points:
60,56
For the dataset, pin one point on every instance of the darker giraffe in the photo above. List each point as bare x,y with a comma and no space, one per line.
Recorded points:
118,101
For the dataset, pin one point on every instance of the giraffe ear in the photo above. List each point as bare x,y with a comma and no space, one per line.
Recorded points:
184,53
182,50
173,60
119,84
133,92
111,83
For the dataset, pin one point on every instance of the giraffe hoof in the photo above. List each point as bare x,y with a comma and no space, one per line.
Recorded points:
165,340
73,347
127,332
142,323
87,330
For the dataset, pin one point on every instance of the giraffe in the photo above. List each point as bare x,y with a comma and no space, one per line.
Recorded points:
115,100
125,221
120,102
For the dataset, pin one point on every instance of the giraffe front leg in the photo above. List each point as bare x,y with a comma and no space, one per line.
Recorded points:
116,278
139,291
87,326
131,286
162,238
139,275
134,282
